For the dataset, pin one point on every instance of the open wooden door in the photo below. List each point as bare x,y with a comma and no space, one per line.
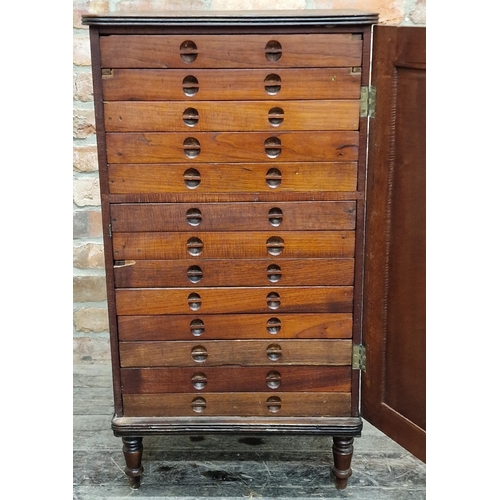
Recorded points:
393,387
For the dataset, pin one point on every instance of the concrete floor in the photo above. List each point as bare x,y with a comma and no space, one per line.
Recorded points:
227,467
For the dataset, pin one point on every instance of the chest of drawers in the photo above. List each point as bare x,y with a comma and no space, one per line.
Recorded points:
232,158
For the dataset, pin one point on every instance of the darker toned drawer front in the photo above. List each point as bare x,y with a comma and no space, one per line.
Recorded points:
236,272
230,51
286,216
231,84
236,352
175,147
178,116
132,301
205,178
236,379
280,404
233,245
236,326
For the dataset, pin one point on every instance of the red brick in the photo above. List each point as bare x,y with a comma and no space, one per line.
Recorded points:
87,224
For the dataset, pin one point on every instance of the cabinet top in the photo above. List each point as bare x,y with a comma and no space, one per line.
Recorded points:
233,18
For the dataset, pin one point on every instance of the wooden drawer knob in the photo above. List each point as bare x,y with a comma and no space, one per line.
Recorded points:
193,216
188,51
198,404
190,85
274,273
275,216
275,245
194,246
273,178
194,274
273,326
274,404
190,117
199,381
272,84
273,379
276,116
273,51
192,178
199,354
194,301
197,327
274,352
272,147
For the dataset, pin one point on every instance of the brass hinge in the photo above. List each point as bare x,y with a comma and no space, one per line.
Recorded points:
367,104
359,357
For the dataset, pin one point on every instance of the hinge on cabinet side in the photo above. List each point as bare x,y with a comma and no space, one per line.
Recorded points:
359,357
367,104
110,232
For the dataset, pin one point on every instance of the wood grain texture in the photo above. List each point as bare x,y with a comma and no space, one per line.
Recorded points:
236,379
318,177
287,216
236,326
231,84
235,272
138,301
163,147
230,116
233,245
227,51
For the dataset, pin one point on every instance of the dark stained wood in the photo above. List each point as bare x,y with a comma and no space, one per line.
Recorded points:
289,216
240,404
236,379
175,147
237,272
234,178
137,301
234,245
236,326
236,352
394,385
342,455
132,451
231,84
224,51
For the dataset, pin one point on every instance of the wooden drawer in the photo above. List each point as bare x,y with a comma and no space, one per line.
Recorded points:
138,301
287,404
237,272
175,147
231,84
236,352
233,245
318,177
288,216
236,326
230,51
236,379
178,116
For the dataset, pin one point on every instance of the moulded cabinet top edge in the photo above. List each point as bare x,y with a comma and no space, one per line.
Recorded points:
314,17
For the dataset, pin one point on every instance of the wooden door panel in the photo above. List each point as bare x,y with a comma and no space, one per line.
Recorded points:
393,388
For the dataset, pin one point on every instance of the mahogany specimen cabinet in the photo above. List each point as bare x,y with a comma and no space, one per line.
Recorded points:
263,199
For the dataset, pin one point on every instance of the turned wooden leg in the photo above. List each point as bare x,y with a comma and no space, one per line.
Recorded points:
132,450
342,455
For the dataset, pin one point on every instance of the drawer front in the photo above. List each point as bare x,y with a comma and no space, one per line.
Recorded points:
237,272
230,51
236,379
178,116
236,352
287,216
270,326
138,301
233,245
218,178
231,84
175,147
281,404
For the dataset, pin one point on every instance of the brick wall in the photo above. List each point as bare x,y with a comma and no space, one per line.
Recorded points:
90,332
